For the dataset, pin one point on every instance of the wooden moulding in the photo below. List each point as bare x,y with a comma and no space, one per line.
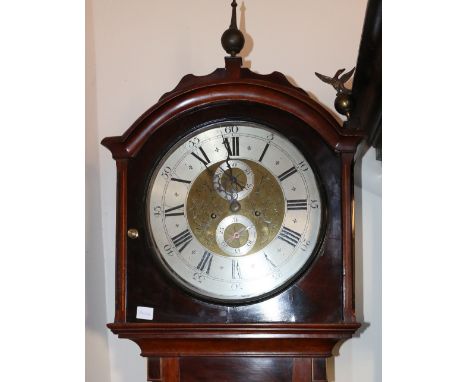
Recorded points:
233,84
282,340
309,369
367,84
121,242
347,219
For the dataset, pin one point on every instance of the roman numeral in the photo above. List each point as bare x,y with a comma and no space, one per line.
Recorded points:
287,173
181,180
289,236
297,204
205,262
232,149
236,273
264,151
182,239
204,161
175,213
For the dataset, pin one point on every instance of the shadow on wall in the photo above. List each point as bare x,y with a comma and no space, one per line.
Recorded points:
96,345
97,356
249,43
97,348
369,257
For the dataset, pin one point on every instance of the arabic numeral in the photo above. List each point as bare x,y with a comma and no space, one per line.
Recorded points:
270,137
276,274
305,244
199,277
166,173
157,211
231,129
169,250
302,166
314,204
236,286
193,143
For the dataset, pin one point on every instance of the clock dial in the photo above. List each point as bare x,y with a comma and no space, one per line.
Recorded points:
233,179
234,211
236,235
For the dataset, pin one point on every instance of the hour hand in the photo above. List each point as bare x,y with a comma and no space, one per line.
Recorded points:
228,151
229,166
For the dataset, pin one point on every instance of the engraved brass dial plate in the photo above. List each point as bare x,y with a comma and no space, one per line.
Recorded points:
264,206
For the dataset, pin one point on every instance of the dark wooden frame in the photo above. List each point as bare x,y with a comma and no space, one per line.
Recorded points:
170,340
367,84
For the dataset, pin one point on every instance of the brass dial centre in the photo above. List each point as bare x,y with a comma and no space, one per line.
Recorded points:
264,205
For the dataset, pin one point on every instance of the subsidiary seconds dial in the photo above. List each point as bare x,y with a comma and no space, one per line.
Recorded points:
234,211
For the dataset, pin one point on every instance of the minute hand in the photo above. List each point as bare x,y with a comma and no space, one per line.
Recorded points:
232,178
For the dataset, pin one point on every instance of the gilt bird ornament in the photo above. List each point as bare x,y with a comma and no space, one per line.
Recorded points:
344,102
338,82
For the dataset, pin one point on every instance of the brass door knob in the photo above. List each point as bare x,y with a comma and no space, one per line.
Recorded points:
133,233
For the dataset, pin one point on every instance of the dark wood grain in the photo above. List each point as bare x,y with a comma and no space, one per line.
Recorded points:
154,370
170,369
225,340
235,369
367,84
347,186
319,370
121,242
309,370
302,370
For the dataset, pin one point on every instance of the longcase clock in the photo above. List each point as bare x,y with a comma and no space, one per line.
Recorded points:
234,250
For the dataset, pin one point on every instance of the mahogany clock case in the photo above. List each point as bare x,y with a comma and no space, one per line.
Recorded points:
309,316
316,296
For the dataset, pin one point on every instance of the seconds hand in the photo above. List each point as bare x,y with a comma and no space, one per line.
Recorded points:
211,172
237,234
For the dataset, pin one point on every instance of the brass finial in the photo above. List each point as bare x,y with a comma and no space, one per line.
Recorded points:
234,15
232,39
